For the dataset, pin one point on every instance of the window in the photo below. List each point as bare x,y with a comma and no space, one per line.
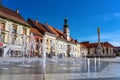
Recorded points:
37,39
14,29
24,30
14,36
2,26
2,35
13,39
47,41
50,41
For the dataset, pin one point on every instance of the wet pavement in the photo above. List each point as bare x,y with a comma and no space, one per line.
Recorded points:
58,69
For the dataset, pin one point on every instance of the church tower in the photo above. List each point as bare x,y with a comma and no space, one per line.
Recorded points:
66,30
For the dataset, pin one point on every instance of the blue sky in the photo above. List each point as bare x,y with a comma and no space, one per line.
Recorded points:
84,16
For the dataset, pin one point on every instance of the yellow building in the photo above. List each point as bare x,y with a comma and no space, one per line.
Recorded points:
12,29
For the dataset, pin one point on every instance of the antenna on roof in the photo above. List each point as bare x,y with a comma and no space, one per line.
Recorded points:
0,2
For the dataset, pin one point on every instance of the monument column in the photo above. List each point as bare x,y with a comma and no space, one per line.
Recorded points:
98,29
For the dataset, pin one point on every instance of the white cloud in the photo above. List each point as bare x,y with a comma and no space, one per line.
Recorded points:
108,17
117,15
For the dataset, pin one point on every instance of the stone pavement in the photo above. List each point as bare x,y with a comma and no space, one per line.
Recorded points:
117,59
111,72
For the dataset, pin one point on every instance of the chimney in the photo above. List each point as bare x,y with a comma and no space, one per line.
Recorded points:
17,11
36,20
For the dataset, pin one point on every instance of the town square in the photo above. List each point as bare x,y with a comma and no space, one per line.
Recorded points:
59,40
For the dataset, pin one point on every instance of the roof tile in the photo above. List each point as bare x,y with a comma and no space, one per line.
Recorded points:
12,15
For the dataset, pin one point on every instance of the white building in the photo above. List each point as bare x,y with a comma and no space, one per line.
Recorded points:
12,29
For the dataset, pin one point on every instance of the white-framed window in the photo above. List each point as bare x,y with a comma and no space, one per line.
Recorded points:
2,34
2,26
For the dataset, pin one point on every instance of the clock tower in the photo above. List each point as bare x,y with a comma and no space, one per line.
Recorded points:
66,29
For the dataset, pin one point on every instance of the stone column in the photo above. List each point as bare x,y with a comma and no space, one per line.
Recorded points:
99,48
111,50
105,50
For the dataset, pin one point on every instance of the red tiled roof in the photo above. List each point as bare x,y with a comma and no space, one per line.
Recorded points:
12,15
85,44
35,31
37,25
58,33
107,44
82,46
91,45
47,28
53,30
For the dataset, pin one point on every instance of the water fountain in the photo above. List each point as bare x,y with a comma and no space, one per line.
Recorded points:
1,36
95,64
99,63
32,45
44,56
24,48
28,49
10,39
66,64
88,65
40,48
85,56
0,28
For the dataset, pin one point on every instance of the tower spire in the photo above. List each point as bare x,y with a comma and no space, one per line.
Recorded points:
65,23
66,29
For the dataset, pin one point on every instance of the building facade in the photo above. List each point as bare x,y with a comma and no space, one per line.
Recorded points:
107,49
12,29
35,43
58,43
65,46
19,38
